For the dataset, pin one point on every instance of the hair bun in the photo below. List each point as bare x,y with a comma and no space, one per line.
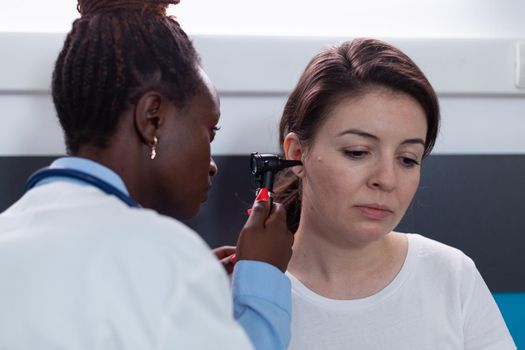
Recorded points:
91,7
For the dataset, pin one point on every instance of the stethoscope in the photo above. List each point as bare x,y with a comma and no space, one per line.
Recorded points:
104,186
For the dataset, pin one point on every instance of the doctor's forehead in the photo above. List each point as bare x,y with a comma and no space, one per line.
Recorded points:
209,89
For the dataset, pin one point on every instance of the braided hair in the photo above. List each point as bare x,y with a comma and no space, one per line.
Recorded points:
115,52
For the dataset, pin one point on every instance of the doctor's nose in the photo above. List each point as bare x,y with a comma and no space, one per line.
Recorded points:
213,168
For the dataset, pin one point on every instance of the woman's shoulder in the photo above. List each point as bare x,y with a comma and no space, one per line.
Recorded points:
430,247
441,270
436,255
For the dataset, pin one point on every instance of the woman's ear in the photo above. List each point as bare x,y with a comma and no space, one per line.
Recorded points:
294,150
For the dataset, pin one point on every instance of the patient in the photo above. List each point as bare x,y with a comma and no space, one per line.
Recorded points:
362,118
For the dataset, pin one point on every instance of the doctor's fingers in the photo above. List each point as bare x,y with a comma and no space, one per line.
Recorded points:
277,215
259,214
224,251
276,224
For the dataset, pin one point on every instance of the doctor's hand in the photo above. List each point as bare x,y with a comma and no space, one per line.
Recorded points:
265,236
224,254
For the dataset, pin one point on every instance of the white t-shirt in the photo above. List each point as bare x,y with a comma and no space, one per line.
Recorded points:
437,301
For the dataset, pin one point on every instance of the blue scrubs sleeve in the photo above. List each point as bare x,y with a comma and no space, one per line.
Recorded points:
262,304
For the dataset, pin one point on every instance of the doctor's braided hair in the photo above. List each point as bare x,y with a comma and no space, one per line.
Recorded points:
348,70
116,51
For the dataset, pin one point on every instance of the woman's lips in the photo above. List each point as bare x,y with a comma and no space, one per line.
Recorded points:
375,212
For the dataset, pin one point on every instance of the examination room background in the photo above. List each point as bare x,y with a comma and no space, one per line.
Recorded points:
472,193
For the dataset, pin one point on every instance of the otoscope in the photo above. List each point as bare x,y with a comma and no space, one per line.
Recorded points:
264,167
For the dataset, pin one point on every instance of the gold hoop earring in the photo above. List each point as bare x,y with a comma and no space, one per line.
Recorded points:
153,153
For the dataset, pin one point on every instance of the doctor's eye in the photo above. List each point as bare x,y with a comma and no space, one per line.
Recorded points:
214,132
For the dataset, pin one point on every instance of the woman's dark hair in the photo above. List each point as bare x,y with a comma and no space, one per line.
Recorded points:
349,70
116,51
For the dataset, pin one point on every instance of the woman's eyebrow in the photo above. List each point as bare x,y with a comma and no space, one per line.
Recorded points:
359,133
416,140
368,135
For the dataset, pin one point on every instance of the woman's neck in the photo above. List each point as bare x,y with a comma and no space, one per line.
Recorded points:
349,270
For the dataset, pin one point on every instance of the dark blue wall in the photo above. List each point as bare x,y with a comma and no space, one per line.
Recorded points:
473,202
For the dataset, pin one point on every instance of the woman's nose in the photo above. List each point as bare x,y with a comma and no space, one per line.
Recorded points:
384,177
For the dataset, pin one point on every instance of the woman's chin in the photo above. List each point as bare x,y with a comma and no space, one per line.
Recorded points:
369,234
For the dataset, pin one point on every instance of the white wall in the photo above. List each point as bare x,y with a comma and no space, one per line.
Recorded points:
482,109
347,18
465,47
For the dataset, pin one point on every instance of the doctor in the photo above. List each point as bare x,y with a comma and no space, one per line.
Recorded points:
91,256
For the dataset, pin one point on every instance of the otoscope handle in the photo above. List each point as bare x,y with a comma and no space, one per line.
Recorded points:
262,195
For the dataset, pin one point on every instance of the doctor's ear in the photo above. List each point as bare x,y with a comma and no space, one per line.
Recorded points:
151,112
294,150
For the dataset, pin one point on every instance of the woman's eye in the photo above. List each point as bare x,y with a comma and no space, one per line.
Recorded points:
355,154
409,162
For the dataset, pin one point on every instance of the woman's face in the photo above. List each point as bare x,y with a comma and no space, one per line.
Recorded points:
363,167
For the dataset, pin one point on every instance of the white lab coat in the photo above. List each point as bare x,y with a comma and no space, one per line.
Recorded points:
79,269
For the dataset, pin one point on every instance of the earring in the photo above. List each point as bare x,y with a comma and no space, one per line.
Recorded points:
153,153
